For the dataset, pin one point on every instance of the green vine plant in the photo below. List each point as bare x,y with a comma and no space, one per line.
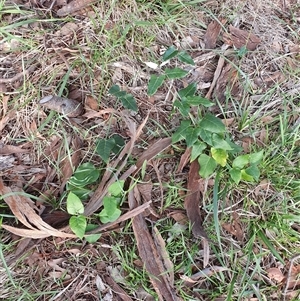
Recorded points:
77,191
205,134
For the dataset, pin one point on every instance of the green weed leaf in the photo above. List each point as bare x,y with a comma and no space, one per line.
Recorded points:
92,238
78,225
253,171
116,188
191,136
198,100
154,83
116,91
84,175
180,132
129,102
104,218
255,158
183,107
246,177
170,53
104,148
220,156
127,99
207,165
206,136
185,58
119,143
197,150
219,142
236,175
110,212
176,73
81,192
74,204
190,90
240,161
212,124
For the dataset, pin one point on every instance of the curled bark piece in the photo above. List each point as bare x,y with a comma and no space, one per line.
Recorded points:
69,107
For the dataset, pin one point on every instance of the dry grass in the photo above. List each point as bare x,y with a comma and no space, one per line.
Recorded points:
82,56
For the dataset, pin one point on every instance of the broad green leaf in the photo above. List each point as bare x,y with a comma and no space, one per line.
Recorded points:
175,73
119,143
199,100
81,192
129,102
191,136
92,238
246,177
197,150
240,161
219,142
74,204
110,204
180,132
255,158
183,107
220,155
154,83
116,91
236,175
206,136
104,148
78,225
104,218
185,58
212,124
207,165
170,53
110,212
190,90
235,148
85,174
116,188
127,99
253,171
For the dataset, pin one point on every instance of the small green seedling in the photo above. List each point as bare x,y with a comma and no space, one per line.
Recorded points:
87,174
205,134
111,203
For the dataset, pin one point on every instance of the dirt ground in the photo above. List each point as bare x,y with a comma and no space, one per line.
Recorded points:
179,236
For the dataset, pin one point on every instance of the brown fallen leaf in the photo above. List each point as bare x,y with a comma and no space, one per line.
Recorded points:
179,217
192,201
240,38
23,209
228,82
275,274
12,149
69,107
184,159
5,119
161,248
149,254
121,294
212,33
73,7
91,102
235,227
270,80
